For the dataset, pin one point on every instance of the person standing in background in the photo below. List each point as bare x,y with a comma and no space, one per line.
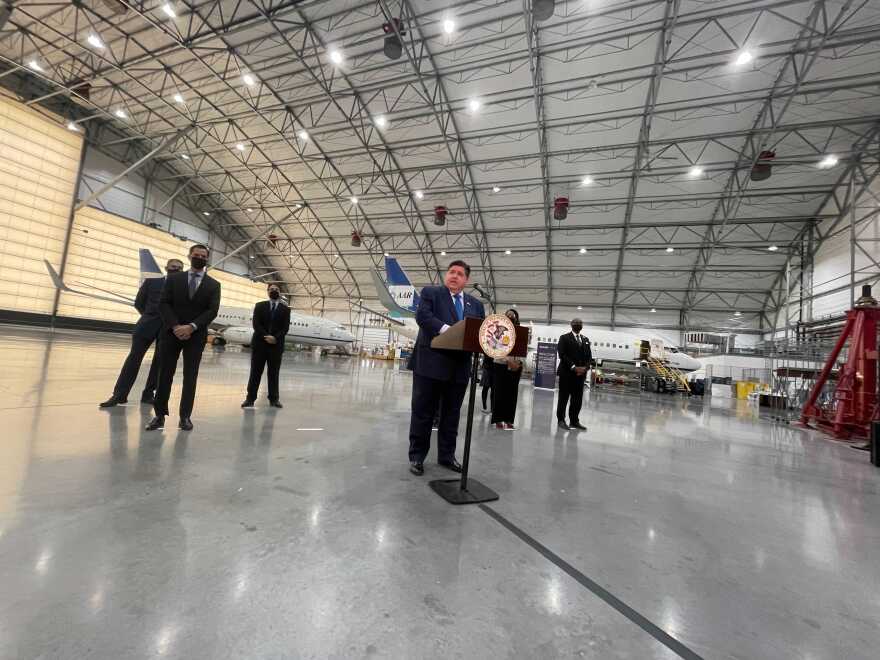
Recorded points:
486,376
146,331
575,357
189,304
506,373
271,320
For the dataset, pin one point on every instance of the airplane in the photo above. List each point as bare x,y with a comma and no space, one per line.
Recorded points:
233,324
401,300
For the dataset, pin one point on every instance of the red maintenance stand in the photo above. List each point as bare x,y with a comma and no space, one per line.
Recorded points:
853,406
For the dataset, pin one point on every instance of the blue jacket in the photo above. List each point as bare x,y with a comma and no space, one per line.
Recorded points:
147,304
435,311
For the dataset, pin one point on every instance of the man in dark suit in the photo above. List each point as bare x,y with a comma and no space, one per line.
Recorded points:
271,322
440,377
190,302
575,357
146,330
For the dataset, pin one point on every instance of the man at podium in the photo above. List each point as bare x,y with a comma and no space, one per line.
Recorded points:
440,377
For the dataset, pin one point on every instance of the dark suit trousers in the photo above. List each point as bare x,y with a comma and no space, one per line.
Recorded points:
505,391
170,348
132,365
260,357
427,395
570,388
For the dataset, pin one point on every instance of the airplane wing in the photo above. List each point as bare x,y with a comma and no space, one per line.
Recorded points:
386,299
391,319
61,286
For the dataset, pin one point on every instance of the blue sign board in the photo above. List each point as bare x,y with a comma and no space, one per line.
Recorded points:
545,366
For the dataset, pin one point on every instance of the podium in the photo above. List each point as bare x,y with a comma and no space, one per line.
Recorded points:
465,336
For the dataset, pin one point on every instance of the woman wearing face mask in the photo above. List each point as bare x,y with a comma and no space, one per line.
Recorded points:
505,385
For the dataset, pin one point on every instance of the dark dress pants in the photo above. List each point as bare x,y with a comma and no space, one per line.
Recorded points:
427,395
260,357
505,390
170,348
132,365
570,388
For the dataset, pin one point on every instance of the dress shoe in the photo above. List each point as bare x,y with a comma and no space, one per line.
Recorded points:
417,469
247,403
578,425
149,399
157,423
112,401
499,425
275,404
563,425
509,427
453,465
185,424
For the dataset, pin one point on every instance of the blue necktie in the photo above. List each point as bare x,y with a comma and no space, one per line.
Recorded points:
193,285
459,310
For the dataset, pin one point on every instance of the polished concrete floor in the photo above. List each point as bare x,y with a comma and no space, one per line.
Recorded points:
300,533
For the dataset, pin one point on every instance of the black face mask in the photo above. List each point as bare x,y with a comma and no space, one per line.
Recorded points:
274,295
577,328
198,262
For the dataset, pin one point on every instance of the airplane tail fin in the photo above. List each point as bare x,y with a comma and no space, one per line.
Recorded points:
399,285
149,268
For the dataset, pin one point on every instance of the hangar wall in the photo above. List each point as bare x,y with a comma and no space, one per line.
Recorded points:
39,160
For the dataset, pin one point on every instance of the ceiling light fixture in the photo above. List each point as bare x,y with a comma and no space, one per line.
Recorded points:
773,248
178,98
95,41
449,26
586,181
580,307
419,194
737,313
249,80
239,146
507,252
184,156
248,210
653,311
744,58
496,189
828,162
336,57
353,200
33,64
387,255
670,249
168,11
205,213
695,171
583,250
474,105
443,253
72,127
121,114
302,135
381,121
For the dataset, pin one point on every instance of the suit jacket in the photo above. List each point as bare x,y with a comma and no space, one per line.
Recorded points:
436,310
147,304
176,307
573,354
266,324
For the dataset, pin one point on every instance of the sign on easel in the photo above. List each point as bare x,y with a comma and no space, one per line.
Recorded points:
545,366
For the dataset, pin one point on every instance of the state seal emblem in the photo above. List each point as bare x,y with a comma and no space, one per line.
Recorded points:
497,336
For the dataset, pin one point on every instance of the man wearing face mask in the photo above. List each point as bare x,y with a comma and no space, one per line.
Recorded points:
271,321
575,357
146,331
190,302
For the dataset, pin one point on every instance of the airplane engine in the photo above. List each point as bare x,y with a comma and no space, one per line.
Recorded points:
240,335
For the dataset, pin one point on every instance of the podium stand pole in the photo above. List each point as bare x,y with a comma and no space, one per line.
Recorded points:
462,491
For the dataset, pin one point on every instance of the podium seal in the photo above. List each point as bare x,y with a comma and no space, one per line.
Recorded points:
497,336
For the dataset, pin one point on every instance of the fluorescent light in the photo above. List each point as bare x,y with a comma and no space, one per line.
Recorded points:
248,210
335,57
178,98
443,253
419,194
474,105
297,206
586,181
773,248
95,41
205,213
249,80
302,135
653,311
496,189
184,156
737,313
695,171
744,58
72,127
829,161
121,114
353,200
579,307
33,64
507,252
583,250
386,254
449,26
169,12
239,146
381,121
670,249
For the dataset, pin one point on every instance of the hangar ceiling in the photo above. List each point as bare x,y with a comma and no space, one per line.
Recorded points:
286,122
